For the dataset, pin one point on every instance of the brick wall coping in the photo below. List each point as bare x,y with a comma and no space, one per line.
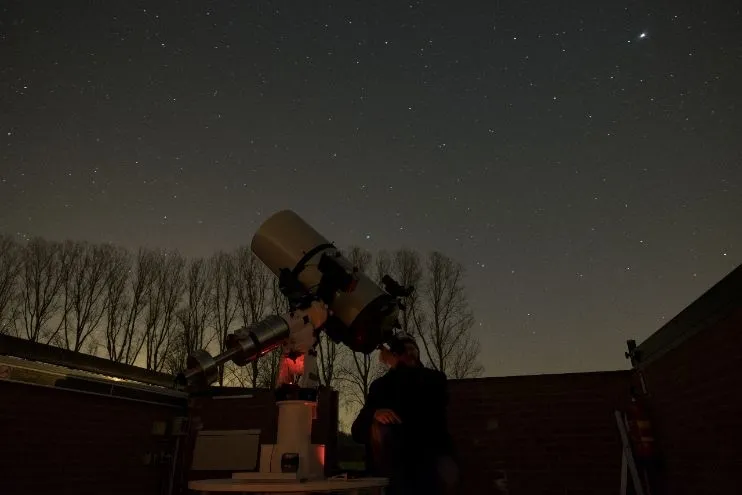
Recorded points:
537,376
18,370
43,353
714,305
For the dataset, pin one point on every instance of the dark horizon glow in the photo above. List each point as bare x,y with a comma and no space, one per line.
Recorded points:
583,161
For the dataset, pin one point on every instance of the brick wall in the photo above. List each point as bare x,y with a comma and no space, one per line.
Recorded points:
542,434
60,441
695,400
692,369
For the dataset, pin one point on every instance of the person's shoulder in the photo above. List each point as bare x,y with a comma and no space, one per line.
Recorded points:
433,374
379,382
438,375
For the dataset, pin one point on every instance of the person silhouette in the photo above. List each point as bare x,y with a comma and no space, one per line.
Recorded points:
404,425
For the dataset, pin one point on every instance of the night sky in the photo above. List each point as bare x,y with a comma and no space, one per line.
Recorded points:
582,159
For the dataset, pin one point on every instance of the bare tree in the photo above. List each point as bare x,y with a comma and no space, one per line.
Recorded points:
164,294
355,375
40,284
328,354
279,302
86,275
408,272
268,368
405,267
175,359
224,302
116,302
197,313
383,264
465,361
237,376
270,364
359,258
154,299
127,344
67,260
443,320
193,319
10,268
252,286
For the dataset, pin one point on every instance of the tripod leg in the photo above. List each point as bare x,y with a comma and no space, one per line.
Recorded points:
624,474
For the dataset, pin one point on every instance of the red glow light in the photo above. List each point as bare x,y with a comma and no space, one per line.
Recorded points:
296,366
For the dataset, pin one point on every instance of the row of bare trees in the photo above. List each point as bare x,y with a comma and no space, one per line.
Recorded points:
153,308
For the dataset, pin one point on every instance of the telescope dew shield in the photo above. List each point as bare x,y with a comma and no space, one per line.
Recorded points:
242,346
361,318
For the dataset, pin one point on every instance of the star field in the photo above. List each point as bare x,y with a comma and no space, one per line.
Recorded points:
582,160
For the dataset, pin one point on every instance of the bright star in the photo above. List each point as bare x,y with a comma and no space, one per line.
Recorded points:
642,36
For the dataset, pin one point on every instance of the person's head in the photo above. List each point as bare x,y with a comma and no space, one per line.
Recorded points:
403,351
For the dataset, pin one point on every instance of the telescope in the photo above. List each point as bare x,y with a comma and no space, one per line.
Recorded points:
326,293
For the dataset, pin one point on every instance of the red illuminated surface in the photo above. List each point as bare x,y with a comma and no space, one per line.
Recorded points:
290,369
296,366
321,454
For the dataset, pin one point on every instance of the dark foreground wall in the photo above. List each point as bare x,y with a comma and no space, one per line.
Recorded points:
692,368
556,434
543,434
64,441
66,431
